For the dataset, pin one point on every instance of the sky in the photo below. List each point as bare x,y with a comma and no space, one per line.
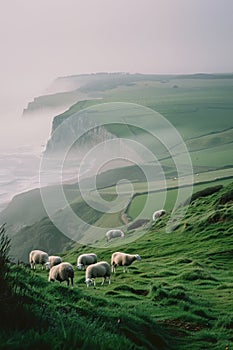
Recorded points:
41,40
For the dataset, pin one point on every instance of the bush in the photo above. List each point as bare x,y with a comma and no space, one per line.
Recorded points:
226,197
203,193
4,262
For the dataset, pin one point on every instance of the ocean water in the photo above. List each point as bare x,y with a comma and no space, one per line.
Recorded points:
19,171
22,169
22,144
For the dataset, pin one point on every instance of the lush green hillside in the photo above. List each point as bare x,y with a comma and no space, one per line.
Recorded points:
29,226
198,106
179,295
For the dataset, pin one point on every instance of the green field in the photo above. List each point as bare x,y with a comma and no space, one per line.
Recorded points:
180,293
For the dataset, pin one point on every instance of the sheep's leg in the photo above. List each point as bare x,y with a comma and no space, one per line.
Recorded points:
72,282
68,281
109,280
94,283
103,281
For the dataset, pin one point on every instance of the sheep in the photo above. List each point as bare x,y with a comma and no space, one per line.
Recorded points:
38,257
62,272
123,259
86,259
53,261
114,234
157,214
100,269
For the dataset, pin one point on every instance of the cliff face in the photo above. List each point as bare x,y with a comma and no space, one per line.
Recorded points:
68,132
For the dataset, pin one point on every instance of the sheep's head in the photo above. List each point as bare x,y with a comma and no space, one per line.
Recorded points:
48,265
138,257
50,279
88,282
79,266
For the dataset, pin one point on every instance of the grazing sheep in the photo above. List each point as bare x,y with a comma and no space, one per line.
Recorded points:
123,259
86,259
62,272
38,257
100,269
53,261
114,234
157,214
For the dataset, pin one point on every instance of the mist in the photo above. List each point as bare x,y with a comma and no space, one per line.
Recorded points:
32,132
44,40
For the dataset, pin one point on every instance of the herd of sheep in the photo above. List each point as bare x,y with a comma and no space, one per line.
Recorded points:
64,271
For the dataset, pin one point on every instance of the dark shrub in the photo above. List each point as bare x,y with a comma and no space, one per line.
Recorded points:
204,193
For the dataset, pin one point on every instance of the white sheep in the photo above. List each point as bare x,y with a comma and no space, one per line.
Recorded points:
114,233
86,259
100,269
157,214
123,259
38,257
53,261
62,272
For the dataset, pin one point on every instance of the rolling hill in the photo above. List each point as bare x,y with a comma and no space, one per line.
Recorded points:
179,294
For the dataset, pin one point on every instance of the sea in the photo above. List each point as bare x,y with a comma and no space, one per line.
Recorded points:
19,171
22,144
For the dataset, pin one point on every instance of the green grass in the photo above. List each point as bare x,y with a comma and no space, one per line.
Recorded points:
180,293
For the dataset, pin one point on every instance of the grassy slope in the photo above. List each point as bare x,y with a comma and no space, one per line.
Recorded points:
44,234
179,294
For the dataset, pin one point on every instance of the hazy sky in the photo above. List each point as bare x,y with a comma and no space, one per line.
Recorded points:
43,39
